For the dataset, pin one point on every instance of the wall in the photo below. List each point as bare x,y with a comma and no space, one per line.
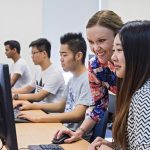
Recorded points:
62,16
20,20
128,9
27,20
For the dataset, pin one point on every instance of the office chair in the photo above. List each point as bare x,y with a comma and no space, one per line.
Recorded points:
101,126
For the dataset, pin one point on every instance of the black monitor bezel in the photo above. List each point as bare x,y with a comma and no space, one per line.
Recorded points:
8,130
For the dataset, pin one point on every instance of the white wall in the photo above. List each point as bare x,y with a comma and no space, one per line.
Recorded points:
62,16
27,20
128,9
20,20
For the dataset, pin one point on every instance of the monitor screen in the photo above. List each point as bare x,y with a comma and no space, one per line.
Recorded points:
7,124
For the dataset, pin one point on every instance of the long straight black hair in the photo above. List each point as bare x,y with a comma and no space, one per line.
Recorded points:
135,39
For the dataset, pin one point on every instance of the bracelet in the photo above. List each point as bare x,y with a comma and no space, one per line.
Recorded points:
16,97
81,129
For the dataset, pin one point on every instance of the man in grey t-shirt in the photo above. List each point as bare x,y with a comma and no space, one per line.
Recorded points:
77,95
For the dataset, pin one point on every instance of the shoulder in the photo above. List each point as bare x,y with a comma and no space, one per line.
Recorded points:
144,90
53,71
79,80
94,62
142,96
22,62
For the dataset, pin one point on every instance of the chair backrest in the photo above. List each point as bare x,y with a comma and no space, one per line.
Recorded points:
112,102
100,127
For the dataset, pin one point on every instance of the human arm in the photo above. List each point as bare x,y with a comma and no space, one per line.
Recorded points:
100,144
33,96
77,135
14,79
23,90
20,103
49,107
86,126
19,73
74,116
99,76
45,87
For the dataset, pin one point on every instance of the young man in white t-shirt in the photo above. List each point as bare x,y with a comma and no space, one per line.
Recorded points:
48,81
19,69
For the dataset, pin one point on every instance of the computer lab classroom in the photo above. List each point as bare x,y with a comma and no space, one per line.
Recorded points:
28,20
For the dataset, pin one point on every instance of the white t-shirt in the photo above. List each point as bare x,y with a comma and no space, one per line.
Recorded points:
50,80
21,67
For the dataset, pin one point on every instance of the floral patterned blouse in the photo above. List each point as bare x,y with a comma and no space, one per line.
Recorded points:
101,78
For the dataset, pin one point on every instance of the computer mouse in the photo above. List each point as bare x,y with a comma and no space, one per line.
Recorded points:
61,139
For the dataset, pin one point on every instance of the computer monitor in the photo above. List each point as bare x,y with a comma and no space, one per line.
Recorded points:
7,124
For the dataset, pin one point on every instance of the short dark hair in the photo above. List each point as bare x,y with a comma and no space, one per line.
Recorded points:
42,44
13,44
76,43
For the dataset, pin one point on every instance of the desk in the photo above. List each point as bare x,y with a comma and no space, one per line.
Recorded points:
42,133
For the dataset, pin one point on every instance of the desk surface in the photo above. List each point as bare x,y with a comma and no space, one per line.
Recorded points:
42,133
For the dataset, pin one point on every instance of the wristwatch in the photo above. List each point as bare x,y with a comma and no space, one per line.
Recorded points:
16,97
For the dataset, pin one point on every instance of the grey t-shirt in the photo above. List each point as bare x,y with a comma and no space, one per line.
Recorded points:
77,92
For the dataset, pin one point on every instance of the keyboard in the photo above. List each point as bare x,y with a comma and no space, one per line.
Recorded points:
45,147
19,120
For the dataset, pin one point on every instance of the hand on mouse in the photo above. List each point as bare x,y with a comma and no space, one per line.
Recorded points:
74,136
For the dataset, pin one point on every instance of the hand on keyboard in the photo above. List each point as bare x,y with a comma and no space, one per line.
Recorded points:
19,120
19,103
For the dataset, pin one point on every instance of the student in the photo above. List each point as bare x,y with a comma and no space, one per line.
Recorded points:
76,97
19,70
100,30
131,53
48,81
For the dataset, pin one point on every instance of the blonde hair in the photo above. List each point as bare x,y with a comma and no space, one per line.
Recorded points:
106,18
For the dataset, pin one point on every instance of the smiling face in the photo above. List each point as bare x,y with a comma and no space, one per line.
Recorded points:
118,57
100,41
